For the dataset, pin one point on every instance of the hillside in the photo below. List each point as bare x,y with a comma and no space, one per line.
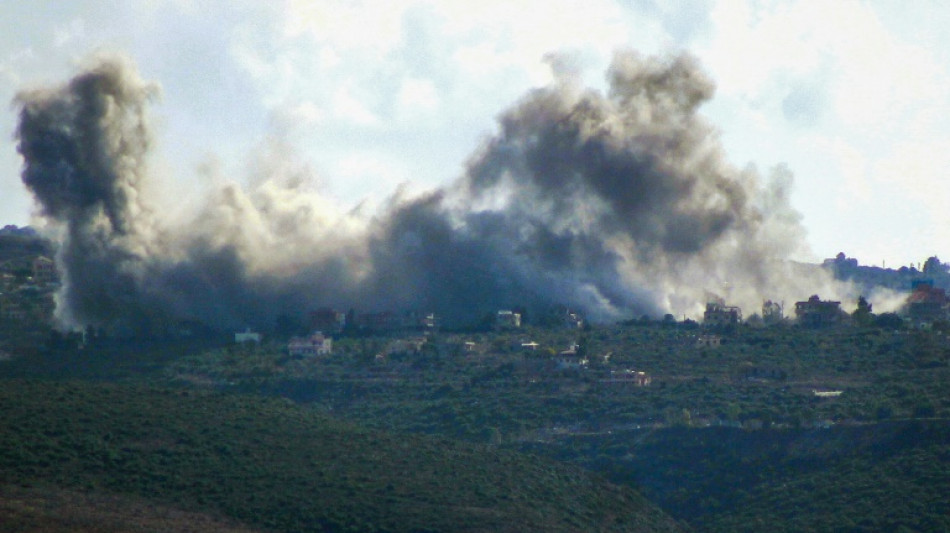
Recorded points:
889,476
723,438
269,464
49,509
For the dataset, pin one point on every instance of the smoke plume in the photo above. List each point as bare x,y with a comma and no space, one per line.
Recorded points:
616,204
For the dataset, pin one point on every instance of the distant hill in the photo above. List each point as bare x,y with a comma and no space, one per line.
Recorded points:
268,464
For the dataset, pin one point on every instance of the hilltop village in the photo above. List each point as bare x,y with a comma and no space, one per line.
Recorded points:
791,356
29,281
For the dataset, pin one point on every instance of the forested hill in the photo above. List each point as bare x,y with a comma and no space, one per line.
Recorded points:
272,465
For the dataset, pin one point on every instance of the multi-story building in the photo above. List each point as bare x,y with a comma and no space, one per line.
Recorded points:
816,313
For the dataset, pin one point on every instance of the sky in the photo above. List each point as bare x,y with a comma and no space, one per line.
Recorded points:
371,97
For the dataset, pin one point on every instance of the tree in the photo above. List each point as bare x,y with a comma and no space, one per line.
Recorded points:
889,321
934,266
862,315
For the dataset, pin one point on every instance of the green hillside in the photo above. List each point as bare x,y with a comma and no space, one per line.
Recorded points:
892,476
888,477
270,464
48,509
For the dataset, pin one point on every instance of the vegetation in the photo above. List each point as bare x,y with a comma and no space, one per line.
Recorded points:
759,377
782,427
270,464
890,476
58,510
722,437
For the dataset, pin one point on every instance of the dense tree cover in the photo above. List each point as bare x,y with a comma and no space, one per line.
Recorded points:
874,477
894,478
271,464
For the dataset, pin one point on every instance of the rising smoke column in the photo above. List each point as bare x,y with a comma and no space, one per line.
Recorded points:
84,147
616,204
619,203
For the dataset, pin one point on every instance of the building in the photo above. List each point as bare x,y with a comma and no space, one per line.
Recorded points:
637,378
506,319
708,341
415,321
411,346
571,359
927,303
720,315
563,317
247,336
817,313
315,344
773,312
572,320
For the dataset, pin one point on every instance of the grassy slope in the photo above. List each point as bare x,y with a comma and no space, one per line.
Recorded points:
273,465
881,477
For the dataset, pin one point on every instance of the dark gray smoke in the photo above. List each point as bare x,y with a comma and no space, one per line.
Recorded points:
617,205
84,147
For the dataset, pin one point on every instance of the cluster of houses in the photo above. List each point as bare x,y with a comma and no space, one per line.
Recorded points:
534,359
557,317
813,312
925,305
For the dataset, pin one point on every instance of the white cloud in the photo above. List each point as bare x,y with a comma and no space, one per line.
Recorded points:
69,33
348,107
369,176
839,94
417,98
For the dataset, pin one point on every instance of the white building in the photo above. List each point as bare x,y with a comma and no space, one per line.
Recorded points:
506,319
315,344
247,336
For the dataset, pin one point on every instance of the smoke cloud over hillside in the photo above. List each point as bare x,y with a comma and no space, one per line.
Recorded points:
617,204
